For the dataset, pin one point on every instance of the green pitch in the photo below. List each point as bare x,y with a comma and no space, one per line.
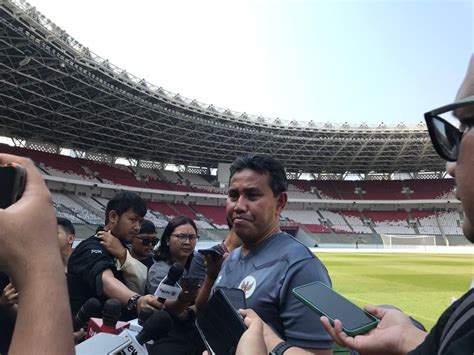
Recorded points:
422,285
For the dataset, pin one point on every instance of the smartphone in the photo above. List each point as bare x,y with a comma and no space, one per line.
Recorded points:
220,325
327,302
235,296
190,283
212,252
12,183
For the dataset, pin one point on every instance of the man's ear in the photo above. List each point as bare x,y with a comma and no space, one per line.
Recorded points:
70,238
282,199
113,217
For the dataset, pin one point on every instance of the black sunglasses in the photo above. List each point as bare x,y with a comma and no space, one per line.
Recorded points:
445,136
148,241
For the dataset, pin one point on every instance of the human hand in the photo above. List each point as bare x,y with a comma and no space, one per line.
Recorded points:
112,245
79,336
148,301
395,333
213,264
253,337
9,296
22,256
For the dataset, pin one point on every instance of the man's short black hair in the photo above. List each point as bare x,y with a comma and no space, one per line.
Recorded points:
263,164
124,201
147,227
66,224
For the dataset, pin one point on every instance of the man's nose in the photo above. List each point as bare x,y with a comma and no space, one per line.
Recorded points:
241,204
451,168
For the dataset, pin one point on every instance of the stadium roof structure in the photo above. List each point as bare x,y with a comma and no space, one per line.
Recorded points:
54,90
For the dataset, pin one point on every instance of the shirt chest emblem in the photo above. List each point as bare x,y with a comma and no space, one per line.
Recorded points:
248,285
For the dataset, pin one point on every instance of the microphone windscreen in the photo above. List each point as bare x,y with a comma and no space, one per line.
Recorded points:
158,325
91,308
111,312
175,272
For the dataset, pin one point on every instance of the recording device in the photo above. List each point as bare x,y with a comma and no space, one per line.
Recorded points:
212,252
128,342
109,323
91,308
168,288
327,302
12,183
235,296
219,324
190,283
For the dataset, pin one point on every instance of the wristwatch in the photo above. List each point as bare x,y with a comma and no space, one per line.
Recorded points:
132,303
280,348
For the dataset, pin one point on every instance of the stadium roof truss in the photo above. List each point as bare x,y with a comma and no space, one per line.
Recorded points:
55,90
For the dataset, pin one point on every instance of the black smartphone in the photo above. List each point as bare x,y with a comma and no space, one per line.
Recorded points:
220,325
189,282
12,183
327,302
235,296
212,252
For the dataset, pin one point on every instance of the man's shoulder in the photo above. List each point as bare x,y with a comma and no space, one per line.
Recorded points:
284,246
89,246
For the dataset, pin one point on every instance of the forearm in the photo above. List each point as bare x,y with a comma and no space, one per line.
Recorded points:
204,293
412,338
114,288
43,307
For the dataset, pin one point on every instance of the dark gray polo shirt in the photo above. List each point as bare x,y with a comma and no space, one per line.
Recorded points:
267,275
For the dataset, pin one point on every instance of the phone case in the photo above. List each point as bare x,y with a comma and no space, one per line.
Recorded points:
311,304
12,183
219,325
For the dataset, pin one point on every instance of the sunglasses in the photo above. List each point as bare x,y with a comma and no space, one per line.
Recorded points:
148,241
445,135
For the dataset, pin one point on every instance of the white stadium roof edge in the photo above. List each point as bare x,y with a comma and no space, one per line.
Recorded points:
55,91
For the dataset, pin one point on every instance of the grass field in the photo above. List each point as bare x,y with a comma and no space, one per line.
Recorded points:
422,285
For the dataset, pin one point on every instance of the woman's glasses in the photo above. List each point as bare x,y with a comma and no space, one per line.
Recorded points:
183,237
445,136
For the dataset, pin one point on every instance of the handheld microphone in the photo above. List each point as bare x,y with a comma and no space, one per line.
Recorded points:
144,315
168,289
157,326
90,308
109,323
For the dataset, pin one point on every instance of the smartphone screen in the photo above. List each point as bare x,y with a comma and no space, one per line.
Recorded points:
220,325
235,296
325,301
12,184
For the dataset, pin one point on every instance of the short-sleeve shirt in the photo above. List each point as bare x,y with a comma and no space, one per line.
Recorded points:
453,334
84,272
268,275
156,274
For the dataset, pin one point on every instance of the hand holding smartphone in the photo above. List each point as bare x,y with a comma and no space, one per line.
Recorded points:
12,183
327,302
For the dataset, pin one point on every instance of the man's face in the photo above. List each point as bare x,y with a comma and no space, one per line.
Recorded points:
64,239
251,206
139,249
463,169
125,226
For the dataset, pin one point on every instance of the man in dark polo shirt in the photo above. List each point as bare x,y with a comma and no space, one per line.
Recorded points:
92,269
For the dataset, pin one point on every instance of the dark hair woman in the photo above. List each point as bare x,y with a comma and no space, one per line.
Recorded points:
177,245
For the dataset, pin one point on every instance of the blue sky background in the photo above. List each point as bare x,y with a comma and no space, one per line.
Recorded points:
327,61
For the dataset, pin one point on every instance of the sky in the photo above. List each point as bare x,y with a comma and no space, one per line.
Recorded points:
359,61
